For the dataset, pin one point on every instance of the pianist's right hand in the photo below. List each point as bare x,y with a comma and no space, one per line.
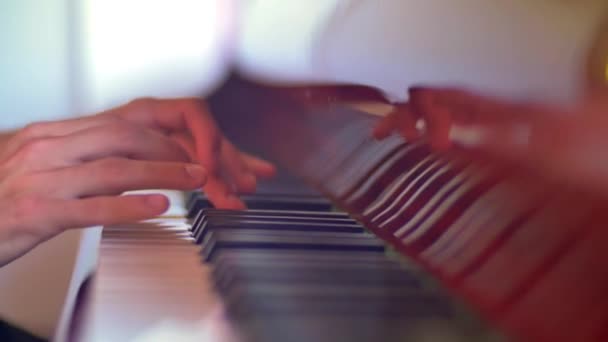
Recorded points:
70,174
566,147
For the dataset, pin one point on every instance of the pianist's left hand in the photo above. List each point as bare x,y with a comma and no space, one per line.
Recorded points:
71,174
188,122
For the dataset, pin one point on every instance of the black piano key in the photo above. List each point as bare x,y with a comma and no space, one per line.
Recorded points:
301,216
192,198
197,203
276,213
326,328
274,202
284,184
302,256
269,202
227,262
287,240
323,328
283,225
196,219
278,299
349,275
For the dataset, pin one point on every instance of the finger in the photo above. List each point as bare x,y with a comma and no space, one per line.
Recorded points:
261,168
186,141
63,127
180,115
45,217
235,171
438,118
97,143
113,176
220,194
94,211
39,130
242,166
406,121
468,108
501,142
385,126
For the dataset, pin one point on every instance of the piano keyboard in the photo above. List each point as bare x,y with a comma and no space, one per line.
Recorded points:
283,270
504,241
526,257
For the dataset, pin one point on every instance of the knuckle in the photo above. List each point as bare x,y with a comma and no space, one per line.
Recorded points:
124,132
34,148
32,130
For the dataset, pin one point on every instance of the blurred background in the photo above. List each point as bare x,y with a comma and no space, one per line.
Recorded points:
62,58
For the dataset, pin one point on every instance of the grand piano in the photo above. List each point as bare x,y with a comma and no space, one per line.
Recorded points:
360,239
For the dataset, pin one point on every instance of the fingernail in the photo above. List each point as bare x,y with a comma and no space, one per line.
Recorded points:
157,202
196,172
421,126
466,136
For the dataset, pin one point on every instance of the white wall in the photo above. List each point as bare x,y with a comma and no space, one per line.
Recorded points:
33,61
34,82
512,48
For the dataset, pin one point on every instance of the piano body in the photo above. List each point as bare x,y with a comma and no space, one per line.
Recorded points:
387,240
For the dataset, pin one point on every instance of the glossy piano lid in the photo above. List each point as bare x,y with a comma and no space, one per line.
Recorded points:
513,49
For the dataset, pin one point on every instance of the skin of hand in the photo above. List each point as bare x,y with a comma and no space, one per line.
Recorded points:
566,147
70,174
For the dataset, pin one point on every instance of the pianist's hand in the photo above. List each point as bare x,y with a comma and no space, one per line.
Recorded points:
565,146
440,109
188,122
421,107
70,174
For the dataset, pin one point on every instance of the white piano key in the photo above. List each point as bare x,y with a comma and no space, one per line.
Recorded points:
500,209
361,164
423,187
463,182
509,266
482,209
380,171
394,187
